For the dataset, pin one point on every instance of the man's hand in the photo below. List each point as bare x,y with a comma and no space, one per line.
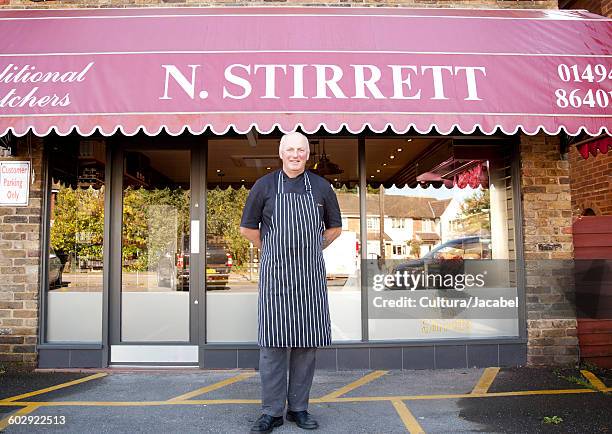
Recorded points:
253,235
330,235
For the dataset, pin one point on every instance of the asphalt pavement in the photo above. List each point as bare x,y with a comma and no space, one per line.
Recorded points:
479,400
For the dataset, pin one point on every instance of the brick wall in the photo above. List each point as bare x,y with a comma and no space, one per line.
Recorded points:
591,182
547,224
513,4
19,268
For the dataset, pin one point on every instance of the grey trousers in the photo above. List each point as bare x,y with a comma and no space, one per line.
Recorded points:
273,372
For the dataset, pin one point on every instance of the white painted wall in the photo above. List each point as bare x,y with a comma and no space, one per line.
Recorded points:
449,214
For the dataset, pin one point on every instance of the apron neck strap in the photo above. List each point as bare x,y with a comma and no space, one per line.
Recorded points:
307,182
280,187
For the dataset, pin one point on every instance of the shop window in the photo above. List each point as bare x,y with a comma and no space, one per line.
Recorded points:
76,234
231,293
460,200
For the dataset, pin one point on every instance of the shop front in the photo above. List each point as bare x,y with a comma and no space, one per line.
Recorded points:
438,136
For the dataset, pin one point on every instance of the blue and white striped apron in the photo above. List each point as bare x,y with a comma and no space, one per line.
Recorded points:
293,307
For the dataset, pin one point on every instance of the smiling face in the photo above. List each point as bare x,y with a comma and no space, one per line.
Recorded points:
294,152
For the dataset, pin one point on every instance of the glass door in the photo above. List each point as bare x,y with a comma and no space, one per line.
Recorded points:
153,318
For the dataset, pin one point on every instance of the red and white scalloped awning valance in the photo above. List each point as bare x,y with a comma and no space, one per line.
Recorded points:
602,145
220,68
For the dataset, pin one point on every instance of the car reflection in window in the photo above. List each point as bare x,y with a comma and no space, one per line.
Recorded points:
173,268
447,258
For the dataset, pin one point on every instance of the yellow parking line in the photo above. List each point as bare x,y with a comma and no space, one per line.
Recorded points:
404,413
52,388
221,401
486,380
131,403
21,412
457,396
316,400
354,385
596,382
215,386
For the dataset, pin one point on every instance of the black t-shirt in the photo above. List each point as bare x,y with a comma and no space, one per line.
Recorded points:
259,207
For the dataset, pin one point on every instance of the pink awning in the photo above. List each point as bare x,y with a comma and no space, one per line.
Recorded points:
222,68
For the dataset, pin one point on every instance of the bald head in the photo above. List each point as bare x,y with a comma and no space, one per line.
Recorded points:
293,138
294,151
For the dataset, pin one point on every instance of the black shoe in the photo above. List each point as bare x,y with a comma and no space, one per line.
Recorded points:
265,424
303,419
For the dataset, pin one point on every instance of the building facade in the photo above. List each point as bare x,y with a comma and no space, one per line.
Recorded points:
104,265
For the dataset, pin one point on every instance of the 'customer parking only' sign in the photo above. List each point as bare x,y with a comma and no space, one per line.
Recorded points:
14,183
